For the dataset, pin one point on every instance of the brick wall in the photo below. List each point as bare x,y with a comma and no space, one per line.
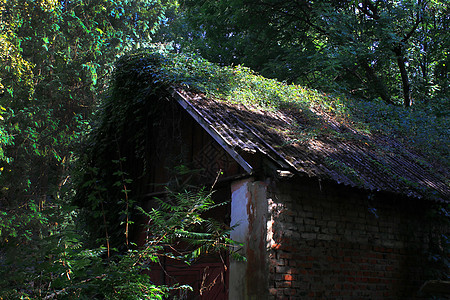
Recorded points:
333,242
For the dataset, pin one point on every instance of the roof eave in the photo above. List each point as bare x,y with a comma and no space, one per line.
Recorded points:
212,131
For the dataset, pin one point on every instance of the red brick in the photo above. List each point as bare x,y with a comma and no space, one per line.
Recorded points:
283,284
306,265
276,246
285,255
293,263
287,247
289,292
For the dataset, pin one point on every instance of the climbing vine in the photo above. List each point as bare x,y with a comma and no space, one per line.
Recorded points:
423,127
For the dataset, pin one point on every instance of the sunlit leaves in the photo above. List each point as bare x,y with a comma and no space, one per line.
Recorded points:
55,60
235,84
330,45
424,127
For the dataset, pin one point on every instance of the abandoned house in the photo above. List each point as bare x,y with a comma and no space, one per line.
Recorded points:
342,215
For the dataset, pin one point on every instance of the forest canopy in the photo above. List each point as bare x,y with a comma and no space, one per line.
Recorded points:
393,50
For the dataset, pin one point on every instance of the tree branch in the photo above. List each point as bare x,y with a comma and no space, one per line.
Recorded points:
416,24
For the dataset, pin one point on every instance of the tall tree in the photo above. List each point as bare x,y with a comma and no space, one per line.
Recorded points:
55,60
369,47
55,57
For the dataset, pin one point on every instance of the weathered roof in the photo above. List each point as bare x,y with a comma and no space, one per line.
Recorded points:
336,152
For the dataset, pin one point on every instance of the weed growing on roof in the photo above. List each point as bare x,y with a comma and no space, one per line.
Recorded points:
424,127
237,84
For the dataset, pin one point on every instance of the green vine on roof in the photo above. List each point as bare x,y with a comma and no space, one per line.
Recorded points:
424,128
231,83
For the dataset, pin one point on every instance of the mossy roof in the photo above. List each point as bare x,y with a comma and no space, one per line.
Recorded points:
301,130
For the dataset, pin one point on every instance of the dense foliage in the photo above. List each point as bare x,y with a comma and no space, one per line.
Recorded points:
55,60
55,63
394,50
60,266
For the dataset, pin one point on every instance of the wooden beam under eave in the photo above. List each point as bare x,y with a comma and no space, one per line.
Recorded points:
212,131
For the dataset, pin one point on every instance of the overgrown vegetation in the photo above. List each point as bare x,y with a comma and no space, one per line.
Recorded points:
56,59
424,126
58,264
393,50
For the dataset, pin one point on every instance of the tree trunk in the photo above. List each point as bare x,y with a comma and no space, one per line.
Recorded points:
404,74
372,78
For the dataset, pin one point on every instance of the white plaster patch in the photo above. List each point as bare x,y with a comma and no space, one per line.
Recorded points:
270,220
239,215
